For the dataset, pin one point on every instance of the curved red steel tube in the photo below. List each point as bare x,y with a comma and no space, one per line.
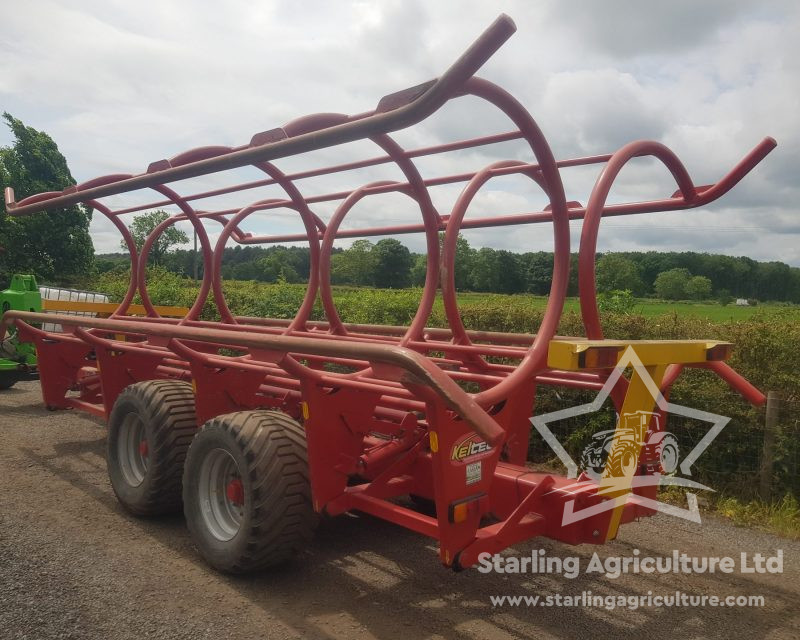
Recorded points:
205,246
688,196
536,358
594,212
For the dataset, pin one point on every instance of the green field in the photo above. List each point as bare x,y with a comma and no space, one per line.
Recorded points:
516,312
649,308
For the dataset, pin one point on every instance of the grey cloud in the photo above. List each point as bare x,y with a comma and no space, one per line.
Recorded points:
630,27
599,111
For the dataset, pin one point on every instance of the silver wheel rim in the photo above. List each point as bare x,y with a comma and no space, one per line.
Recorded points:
133,461
669,458
222,516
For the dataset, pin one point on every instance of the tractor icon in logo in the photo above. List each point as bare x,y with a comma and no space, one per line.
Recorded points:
660,451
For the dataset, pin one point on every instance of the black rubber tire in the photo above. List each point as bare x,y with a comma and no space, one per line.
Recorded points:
166,409
278,518
7,382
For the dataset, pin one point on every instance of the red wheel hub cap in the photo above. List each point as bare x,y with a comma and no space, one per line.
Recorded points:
235,491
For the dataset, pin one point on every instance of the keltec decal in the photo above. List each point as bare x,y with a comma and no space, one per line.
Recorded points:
471,446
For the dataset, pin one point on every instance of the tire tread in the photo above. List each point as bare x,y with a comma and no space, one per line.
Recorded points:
283,519
170,409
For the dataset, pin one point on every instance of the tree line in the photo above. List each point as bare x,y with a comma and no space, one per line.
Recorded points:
390,264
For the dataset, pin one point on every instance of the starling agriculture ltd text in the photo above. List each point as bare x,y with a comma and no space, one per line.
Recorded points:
614,566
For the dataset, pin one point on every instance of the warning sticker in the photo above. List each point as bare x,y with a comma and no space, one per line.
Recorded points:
473,472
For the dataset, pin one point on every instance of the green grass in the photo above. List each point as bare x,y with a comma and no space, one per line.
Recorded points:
709,310
781,517
397,306
648,307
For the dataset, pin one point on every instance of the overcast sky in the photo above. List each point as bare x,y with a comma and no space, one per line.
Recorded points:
121,84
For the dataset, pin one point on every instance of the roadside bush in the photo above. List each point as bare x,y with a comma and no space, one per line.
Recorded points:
616,301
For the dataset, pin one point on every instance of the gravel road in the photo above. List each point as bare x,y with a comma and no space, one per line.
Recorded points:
74,565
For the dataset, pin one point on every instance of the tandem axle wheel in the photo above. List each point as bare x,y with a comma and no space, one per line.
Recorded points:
246,491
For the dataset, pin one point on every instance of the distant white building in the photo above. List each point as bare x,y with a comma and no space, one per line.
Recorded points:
742,302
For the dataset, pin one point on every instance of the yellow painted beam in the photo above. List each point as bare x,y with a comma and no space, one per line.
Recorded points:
107,308
626,447
571,354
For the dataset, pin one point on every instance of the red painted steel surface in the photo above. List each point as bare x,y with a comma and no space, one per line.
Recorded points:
392,424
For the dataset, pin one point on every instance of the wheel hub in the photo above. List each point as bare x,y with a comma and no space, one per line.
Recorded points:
235,492
221,494
133,450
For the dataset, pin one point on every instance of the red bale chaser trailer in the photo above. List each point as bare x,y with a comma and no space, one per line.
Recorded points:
255,426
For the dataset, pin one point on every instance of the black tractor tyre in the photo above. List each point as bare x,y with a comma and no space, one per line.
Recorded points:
246,491
150,429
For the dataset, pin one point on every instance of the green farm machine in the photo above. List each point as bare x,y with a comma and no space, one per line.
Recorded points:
18,359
